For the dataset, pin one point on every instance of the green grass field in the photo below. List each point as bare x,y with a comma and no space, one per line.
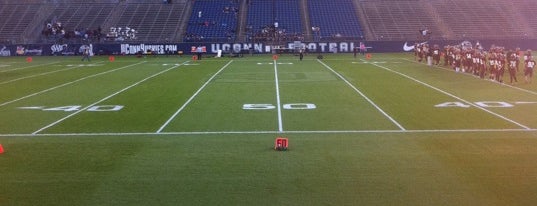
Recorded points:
171,131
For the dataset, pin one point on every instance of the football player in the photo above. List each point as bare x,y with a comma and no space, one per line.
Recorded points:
512,66
528,71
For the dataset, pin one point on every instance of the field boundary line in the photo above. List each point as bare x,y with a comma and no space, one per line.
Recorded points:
106,98
363,95
467,74
68,83
453,96
192,98
269,132
278,100
8,70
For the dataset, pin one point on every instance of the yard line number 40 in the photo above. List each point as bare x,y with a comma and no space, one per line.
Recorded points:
74,108
487,104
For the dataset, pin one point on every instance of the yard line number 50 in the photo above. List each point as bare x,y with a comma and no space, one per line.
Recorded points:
295,106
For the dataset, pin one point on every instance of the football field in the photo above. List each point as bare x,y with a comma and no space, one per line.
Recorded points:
384,130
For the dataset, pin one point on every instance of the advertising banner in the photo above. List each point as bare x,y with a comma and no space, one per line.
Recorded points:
253,48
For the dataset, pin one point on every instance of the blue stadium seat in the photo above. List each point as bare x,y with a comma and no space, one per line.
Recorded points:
216,23
335,18
265,12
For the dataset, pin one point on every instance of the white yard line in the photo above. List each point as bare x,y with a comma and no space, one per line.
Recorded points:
272,132
494,82
278,102
452,95
8,70
104,99
68,83
191,98
363,95
41,74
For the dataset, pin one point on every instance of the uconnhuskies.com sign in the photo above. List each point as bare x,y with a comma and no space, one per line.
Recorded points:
156,48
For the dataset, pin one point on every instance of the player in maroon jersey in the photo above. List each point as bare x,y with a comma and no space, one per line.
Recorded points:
518,53
416,50
446,55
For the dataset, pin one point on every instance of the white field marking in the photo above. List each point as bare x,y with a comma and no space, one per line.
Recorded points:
166,64
30,108
270,63
525,102
191,98
453,96
41,74
278,102
8,70
363,95
468,74
366,62
273,132
68,83
104,99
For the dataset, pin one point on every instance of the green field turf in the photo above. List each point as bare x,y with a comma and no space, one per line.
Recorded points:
172,131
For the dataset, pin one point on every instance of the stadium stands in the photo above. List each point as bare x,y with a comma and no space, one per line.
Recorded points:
526,9
265,12
154,22
398,20
217,20
212,20
489,20
335,18
14,19
82,18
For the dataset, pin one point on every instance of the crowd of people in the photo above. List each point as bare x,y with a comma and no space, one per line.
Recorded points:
487,64
270,33
121,34
57,31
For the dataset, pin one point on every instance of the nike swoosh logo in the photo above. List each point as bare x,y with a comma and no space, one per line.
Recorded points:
410,48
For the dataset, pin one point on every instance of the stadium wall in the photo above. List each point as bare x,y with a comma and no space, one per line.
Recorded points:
256,48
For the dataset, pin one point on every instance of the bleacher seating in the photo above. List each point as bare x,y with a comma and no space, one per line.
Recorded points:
488,20
334,18
398,20
160,21
83,18
14,19
265,12
527,10
154,22
216,23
